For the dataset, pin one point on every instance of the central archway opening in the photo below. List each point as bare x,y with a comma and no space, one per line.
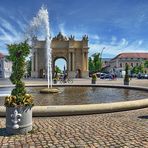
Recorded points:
60,67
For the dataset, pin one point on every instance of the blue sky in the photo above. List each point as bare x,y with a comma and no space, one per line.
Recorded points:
117,25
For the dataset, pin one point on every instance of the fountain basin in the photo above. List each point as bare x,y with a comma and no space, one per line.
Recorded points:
49,90
47,111
58,110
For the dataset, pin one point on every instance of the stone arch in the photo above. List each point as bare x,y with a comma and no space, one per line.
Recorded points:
75,52
56,58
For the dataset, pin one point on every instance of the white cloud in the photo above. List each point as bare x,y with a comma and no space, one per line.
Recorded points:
5,24
111,50
62,28
9,34
113,40
140,42
94,37
5,36
123,43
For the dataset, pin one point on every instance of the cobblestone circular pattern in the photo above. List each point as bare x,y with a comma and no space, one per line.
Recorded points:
114,130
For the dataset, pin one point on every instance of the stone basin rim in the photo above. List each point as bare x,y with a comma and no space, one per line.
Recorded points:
63,110
85,85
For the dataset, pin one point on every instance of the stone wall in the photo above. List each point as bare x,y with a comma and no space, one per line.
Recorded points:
73,51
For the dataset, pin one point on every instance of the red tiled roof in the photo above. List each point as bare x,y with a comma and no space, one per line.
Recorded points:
132,55
1,55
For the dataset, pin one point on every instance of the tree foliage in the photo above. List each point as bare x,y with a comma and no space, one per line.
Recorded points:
126,78
146,64
138,69
95,63
58,70
17,54
91,65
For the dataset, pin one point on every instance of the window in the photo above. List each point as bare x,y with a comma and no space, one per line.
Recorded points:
0,74
137,64
120,64
132,64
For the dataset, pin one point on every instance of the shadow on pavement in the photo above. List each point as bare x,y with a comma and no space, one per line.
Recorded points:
143,117
4,133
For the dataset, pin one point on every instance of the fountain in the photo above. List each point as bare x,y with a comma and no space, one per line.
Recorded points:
83,99
43,19
77,99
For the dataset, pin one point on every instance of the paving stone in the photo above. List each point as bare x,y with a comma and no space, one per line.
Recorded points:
114,130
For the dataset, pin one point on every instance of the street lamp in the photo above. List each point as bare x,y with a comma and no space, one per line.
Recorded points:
101,57
102,52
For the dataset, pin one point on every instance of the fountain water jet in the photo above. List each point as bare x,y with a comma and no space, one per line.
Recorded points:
43,19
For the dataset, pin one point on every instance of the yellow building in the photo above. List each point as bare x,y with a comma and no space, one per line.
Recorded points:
75,53
117,64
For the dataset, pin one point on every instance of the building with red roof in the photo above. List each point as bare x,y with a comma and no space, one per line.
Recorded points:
1,55
5,67
117,64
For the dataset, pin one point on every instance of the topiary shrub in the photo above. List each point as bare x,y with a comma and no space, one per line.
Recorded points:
17,54
94,77
126,78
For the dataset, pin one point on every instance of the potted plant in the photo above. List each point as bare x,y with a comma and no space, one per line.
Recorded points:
94,79
19,103
55,80
126,78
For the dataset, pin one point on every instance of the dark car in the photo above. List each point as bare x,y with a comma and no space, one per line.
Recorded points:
142,76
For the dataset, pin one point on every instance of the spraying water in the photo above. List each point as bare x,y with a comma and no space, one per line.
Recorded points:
43,19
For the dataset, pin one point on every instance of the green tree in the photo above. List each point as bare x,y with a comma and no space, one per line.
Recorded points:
126,78
17,54
135,70
138,69
146,64
91,65
95,64
141,68
58,70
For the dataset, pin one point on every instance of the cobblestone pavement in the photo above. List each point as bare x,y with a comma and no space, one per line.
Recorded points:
113,130
133,82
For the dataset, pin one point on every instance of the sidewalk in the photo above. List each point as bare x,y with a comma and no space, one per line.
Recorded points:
113,130
133,82
123,129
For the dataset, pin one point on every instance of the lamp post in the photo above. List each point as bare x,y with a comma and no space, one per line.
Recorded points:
101,57
101,52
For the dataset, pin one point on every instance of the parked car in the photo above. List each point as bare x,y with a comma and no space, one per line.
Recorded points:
142,76
146,76
104,76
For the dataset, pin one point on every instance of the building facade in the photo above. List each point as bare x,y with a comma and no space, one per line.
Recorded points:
73,51
5,67
117,64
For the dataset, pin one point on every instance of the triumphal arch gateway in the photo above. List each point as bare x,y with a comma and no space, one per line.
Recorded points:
73,51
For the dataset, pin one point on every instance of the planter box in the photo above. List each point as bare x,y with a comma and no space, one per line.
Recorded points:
126,82
54,81
93,81
18,120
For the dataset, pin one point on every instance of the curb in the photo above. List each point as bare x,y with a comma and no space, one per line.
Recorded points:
61,110
47,111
